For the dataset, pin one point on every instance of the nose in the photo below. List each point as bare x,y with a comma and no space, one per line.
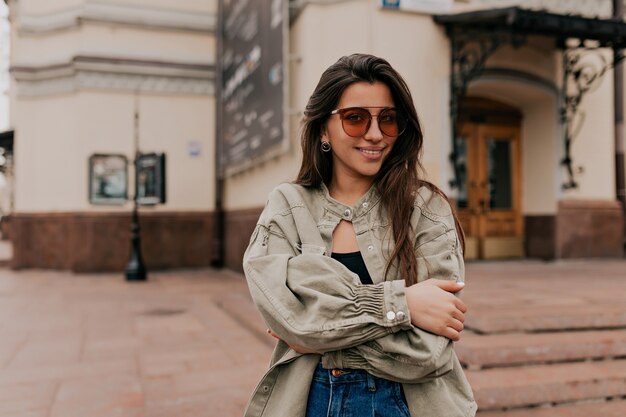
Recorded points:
373,133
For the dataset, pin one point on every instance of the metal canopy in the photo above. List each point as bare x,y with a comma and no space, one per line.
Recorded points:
609,33
475,36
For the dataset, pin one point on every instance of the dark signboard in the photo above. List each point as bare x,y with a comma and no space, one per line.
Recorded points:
150,179
252,58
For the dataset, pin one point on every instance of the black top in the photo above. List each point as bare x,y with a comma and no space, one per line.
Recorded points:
355,263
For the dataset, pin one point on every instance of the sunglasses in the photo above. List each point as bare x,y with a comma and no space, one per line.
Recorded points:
356,121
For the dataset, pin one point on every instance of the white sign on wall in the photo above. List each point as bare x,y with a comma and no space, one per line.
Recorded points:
424,6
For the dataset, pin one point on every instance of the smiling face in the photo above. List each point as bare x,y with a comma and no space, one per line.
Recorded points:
359,158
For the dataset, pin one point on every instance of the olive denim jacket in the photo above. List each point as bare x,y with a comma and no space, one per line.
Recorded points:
311,300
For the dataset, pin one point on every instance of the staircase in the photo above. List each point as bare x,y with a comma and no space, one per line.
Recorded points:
529,352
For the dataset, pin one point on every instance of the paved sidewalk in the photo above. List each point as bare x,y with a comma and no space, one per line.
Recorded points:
189,343
96,346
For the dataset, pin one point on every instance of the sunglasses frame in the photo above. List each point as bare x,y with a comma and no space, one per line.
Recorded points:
341,112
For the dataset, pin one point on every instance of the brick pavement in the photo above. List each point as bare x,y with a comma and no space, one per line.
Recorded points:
96,346
189,343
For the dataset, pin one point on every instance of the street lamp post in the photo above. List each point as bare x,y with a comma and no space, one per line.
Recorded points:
135,269
618,73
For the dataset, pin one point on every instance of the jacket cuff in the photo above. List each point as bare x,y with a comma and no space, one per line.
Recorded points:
395,308
386,302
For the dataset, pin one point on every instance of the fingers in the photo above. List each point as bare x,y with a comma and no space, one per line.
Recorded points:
460,305
452,334
450,286
456,325
458,315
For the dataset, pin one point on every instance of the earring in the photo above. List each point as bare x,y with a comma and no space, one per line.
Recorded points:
326,146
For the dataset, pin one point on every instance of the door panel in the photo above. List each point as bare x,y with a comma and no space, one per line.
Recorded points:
489,195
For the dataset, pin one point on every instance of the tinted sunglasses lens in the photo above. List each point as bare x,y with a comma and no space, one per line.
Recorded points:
391,122
355,121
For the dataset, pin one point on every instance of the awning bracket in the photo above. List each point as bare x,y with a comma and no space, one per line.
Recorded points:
583,71
470,53
476,35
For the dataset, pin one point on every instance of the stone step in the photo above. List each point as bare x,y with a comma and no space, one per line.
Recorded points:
501,388
548,318
605,409
479,351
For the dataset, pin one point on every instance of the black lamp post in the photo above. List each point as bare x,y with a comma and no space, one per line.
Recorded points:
618,82
135,269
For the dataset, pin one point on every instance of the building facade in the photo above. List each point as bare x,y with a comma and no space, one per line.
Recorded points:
81,69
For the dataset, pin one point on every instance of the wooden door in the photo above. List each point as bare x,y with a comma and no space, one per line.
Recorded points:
489,198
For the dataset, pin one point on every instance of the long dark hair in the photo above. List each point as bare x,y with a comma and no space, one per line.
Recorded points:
399,177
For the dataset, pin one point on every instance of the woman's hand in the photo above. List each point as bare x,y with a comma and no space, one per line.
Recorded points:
297,348
434,307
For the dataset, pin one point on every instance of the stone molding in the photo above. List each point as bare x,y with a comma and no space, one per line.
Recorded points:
106,73
104,12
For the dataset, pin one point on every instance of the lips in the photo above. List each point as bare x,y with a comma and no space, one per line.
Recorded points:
371,153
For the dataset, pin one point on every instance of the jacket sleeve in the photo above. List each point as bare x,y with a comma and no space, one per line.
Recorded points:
309,299
413,355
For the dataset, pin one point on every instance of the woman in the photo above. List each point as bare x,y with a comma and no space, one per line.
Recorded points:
354,266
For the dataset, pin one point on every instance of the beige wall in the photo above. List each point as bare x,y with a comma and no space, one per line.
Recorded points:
318,38
58,47
57,135
138,43
61,119
171,124
38,7
593,147
202,6
98,39
99,121
47,165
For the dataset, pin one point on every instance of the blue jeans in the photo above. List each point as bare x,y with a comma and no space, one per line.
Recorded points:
354,393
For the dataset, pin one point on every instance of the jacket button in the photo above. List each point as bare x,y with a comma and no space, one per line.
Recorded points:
400,315
365,205
370,248
265,388
391,315
347,213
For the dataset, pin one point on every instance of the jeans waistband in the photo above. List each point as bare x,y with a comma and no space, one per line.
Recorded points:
345,376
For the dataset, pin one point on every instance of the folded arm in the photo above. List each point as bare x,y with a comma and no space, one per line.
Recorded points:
311,300
413,355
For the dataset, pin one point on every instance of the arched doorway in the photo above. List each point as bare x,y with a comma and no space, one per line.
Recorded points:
489,198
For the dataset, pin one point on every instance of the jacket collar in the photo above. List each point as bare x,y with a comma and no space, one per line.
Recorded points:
366,203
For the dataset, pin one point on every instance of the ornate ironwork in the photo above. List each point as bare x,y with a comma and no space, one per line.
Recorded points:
475,36
470,52
583,70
